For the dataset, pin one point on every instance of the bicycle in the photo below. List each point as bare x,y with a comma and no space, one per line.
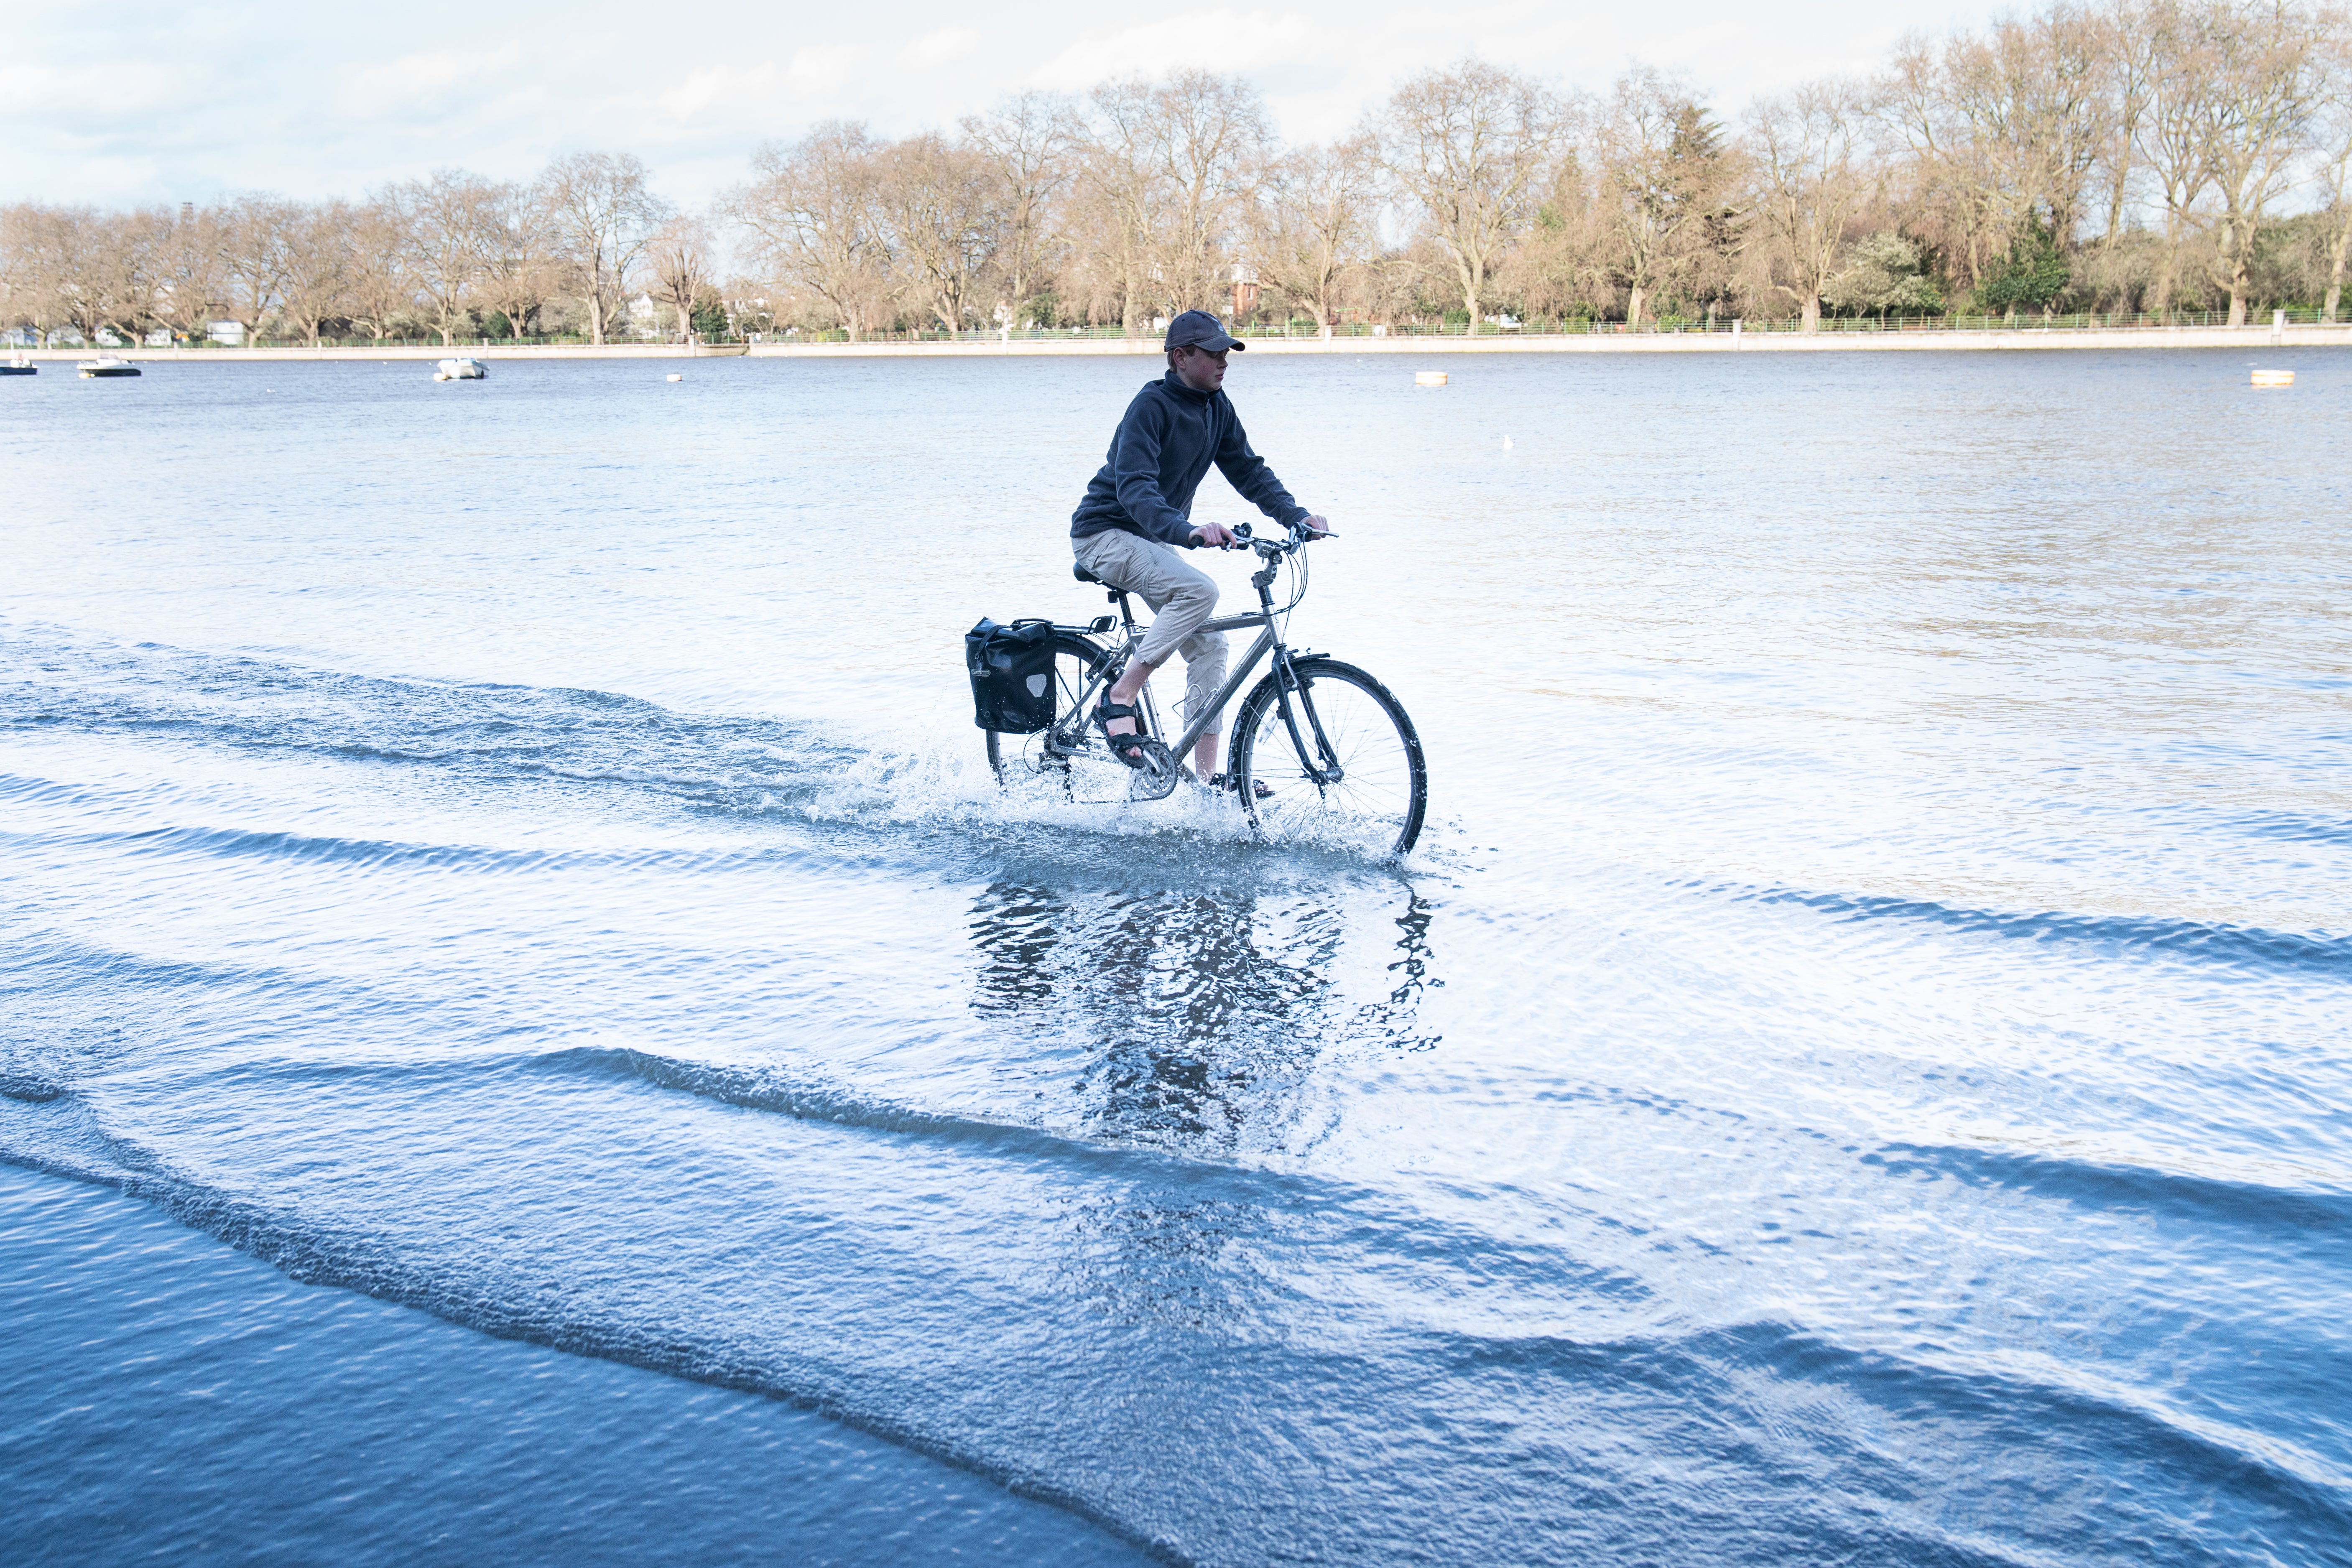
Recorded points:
1320,751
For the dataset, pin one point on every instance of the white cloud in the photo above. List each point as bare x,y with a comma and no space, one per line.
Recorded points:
263,94
943,47
439,83
100,91
1219,40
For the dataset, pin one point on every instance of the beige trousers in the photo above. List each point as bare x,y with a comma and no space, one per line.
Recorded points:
1181,598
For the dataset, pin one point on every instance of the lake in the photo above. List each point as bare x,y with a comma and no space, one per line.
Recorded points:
531,1031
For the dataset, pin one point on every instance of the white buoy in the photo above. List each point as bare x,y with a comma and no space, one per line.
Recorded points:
1429,378
677,378
1506,443
2273,378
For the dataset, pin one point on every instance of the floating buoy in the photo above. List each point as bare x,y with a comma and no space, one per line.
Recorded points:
675,378
2273,378
1506,443
1429,378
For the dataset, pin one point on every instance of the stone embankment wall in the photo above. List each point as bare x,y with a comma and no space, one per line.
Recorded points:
2258,336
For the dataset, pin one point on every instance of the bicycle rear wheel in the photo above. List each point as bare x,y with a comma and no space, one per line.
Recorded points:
1070,756
1379,795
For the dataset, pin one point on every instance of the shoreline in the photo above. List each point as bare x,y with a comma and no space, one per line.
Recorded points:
2039,338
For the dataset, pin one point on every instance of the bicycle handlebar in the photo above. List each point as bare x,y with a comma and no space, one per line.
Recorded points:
1298,539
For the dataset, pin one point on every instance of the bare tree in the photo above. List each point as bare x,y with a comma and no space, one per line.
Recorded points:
601,214
518,266
47,247
2006,126
80,268
2036,96
49,243
450,221
19,280
1121,196
1812,178
1948,193
1316,221
2134,41
2172,134
252,234
379,291
2336,142
1469,147
192,273
934,200
1560,266
678,257
1211,138
318,267
123,275
1665,173
813,213
1027,144
2262,98
20,284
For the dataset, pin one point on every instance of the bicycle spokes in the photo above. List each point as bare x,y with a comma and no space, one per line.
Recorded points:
1343,762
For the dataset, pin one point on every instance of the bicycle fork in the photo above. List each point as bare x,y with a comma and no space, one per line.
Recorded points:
1325,768
1323,763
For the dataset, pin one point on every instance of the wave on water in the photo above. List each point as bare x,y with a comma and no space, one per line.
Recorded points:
1475,1434
2317,954
507,739
1116,1243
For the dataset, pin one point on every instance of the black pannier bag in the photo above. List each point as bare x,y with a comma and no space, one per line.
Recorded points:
1011,670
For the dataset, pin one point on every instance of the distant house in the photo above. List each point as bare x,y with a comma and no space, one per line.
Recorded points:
1245,290
229,333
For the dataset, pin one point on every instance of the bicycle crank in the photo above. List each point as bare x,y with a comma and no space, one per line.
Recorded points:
1157,778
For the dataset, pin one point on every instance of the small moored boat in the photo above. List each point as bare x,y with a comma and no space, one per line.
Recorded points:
20,365
458,370
91,369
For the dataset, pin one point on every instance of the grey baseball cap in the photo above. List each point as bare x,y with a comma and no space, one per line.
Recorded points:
1200,330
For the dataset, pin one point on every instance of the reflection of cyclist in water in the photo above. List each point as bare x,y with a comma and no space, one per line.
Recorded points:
1141,505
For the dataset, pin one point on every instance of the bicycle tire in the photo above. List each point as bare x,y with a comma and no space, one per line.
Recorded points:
1383,795
1013,756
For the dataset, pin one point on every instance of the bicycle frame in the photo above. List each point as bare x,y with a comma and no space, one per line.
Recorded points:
1322,763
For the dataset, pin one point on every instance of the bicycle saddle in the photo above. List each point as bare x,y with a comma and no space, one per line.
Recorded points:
1078,570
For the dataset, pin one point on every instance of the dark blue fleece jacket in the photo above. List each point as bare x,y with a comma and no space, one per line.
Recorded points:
1169,436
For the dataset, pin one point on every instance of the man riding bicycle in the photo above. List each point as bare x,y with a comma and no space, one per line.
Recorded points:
1139,509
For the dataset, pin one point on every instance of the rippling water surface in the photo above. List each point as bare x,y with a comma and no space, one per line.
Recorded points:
1855,1070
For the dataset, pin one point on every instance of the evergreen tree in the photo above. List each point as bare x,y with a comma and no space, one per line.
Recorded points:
2031,276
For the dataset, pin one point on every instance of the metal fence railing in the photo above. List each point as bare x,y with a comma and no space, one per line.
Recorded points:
1571,327
1580,326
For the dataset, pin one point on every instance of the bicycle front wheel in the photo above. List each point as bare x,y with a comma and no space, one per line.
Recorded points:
1351,774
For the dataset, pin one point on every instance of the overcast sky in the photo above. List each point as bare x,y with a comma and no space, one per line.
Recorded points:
137,101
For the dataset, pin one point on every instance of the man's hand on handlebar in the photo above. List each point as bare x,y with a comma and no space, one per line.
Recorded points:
1216,535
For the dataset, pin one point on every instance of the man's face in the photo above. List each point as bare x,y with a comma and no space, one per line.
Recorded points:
1200,370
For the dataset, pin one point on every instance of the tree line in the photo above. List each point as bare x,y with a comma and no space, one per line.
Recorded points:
2136,155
